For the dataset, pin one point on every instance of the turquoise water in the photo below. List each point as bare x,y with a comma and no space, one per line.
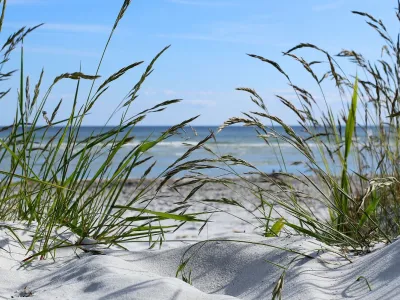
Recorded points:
241,142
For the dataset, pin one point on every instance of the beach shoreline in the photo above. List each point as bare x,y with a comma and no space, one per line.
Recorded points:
228,258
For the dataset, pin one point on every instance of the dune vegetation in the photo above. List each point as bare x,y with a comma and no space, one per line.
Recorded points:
53,186
362,200
66,191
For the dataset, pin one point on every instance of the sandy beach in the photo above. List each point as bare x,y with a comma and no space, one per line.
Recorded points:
229,259
199,150
222,219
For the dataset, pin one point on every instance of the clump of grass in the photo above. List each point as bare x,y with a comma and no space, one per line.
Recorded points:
56,181
350,157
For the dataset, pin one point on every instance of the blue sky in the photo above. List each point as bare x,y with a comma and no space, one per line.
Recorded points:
207,59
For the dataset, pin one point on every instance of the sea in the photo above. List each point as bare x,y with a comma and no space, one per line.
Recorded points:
238,141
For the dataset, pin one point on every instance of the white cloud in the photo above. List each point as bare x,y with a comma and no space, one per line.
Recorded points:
246,31
204,103
205,93
169,92
150,92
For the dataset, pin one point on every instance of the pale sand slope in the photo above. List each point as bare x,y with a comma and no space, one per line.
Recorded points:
225,219
218,269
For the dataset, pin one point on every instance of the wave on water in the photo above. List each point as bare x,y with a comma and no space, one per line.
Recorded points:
186,144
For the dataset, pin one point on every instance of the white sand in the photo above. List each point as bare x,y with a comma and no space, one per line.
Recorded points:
219,269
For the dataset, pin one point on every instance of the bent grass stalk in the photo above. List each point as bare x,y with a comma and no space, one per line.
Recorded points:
65,193
354,170
49,179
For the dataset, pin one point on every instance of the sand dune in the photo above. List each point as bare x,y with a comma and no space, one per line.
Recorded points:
221,269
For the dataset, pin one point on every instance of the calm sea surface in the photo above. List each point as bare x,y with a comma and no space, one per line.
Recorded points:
241,142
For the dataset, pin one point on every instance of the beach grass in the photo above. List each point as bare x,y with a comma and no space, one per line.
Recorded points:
350,157
71,191
362,196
